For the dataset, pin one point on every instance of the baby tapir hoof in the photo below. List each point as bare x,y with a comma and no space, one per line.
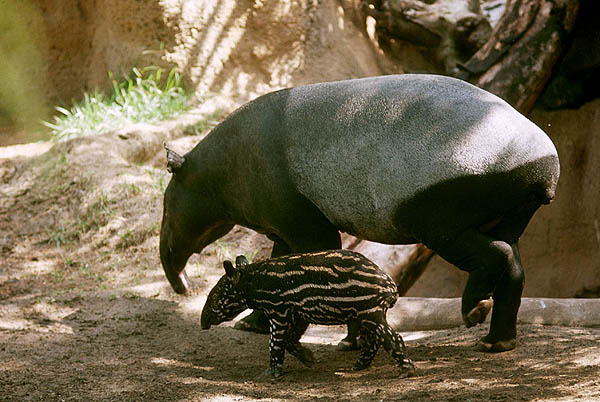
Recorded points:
270,374
407,369
478,314
305,355
276,371
359,365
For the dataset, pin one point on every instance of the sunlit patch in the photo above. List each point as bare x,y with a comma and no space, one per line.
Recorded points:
193,304
34,268
238,398
349,373
163,362
21,324
413,336
14,324
152,289
324,334
47,317
589,357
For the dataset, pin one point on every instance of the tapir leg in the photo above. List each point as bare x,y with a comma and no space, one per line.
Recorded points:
293,345
257,321
507,300
300,239
494,270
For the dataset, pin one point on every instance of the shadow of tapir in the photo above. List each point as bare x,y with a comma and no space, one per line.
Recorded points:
393,159
327,287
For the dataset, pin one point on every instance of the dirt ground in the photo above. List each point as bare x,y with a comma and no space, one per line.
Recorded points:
86,313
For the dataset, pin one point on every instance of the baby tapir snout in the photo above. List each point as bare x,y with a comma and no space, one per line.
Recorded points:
327,288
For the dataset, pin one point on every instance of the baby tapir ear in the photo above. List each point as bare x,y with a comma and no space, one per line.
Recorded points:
231,271
240,261
174,160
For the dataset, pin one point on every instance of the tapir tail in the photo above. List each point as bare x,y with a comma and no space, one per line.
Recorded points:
552,180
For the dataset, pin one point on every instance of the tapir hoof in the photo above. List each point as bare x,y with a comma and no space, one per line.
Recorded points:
495,347
478,314
270,374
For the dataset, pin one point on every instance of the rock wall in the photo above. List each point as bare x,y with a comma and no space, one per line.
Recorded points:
84,40
239,48
245,48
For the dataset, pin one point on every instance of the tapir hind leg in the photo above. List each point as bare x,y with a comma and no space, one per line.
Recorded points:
494,265
495,270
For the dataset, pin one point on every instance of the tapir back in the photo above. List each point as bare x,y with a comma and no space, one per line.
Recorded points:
360,149
364,151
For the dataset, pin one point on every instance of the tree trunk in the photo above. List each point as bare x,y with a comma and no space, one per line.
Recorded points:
517,60
406,275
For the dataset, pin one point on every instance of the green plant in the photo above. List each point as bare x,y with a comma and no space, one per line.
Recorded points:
208,123
134,189
145,96
159,179
58,237
250,257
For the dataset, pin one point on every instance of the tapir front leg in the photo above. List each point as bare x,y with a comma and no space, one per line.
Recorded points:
311,237
277,348
293,345
257,320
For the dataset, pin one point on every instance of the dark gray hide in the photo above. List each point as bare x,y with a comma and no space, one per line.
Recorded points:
392,159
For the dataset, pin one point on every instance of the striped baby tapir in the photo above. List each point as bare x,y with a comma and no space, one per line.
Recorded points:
327,288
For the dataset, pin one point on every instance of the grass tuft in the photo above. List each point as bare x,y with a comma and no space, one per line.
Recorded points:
145,96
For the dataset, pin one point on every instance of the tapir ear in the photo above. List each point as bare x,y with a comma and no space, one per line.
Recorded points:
174,160
229,268
240,261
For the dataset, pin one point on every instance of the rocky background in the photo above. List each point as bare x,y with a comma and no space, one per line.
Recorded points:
237,50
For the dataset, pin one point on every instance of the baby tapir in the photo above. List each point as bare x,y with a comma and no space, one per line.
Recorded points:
328,288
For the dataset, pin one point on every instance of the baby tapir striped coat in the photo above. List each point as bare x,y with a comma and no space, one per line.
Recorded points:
328,287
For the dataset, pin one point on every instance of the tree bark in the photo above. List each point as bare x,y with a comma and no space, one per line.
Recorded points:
517,60
406,275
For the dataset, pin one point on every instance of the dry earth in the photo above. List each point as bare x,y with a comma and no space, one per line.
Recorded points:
86,313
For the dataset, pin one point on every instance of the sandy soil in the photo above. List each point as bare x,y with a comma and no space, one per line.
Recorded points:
86,313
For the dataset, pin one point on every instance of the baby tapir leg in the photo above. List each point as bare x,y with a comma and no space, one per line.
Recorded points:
277,343
293,345
394,344
371,338
286,332
375,332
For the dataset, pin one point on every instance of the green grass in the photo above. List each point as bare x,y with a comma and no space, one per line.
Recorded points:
147,95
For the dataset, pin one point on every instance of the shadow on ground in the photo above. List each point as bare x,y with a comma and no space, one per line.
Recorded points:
135,348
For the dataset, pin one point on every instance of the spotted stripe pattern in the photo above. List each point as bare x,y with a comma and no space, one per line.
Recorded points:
328,288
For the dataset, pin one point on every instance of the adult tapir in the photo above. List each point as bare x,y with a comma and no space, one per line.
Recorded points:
394,159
